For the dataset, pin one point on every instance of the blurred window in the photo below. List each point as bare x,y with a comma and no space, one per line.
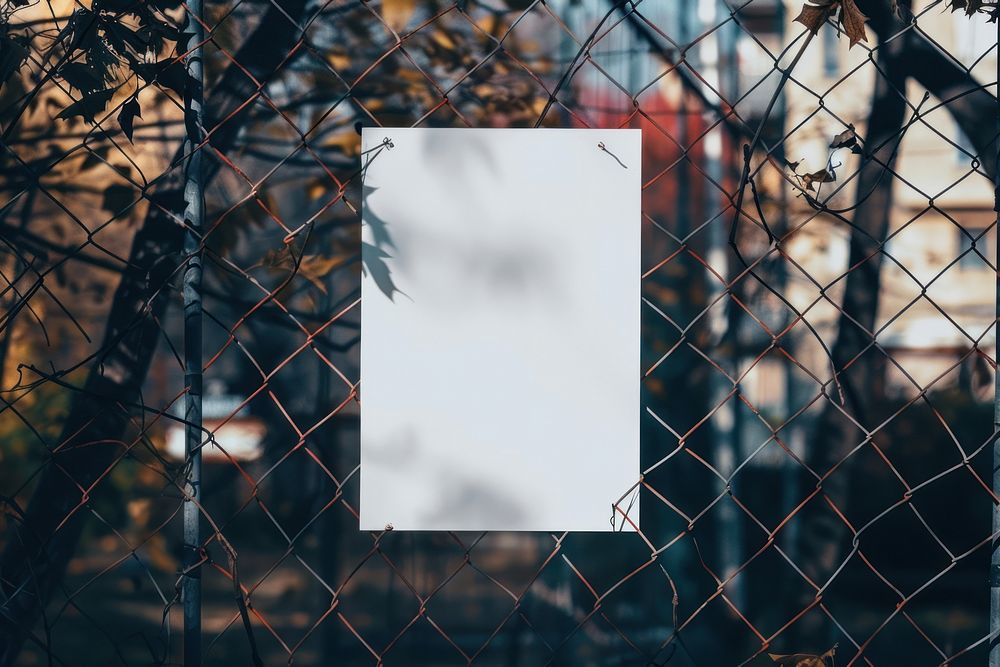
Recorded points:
971,260
831,56
974,36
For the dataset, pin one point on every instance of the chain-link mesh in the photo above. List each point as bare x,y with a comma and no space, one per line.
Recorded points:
819,262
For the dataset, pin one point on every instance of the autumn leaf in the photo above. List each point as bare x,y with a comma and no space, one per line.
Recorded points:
316,189
850,18
821,176
397,13
316,267
814,15
280,258
797,660
339,60
853,21
847,139
311,267
804,659
443,39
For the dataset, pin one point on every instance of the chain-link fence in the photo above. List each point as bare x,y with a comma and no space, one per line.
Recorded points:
181,267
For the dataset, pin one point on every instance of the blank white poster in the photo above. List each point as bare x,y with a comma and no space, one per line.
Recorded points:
500,329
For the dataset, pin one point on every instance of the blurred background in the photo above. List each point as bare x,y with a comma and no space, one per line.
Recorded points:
819,274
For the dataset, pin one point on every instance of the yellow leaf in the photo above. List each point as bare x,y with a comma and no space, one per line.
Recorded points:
491,24
397,13
338,61
411,76
804,659
347,142
443,39
315,267
316,189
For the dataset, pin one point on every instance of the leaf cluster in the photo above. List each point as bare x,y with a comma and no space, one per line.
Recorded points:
851,20
96,51
804,659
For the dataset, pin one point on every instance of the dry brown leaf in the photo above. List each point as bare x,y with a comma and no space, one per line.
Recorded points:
821,176
813,16
845,139
804,659
850,18
797,660
315,267
853,21
311,267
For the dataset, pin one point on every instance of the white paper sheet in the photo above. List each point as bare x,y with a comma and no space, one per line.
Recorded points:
500,329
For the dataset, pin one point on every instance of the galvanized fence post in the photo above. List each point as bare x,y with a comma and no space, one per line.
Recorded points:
994,574
194,214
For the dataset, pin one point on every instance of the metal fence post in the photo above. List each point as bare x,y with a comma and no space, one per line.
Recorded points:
193,217
723,322
994,576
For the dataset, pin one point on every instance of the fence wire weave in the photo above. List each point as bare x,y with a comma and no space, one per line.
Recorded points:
180,262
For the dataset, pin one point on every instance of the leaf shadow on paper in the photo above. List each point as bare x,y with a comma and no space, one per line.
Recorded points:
375,254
